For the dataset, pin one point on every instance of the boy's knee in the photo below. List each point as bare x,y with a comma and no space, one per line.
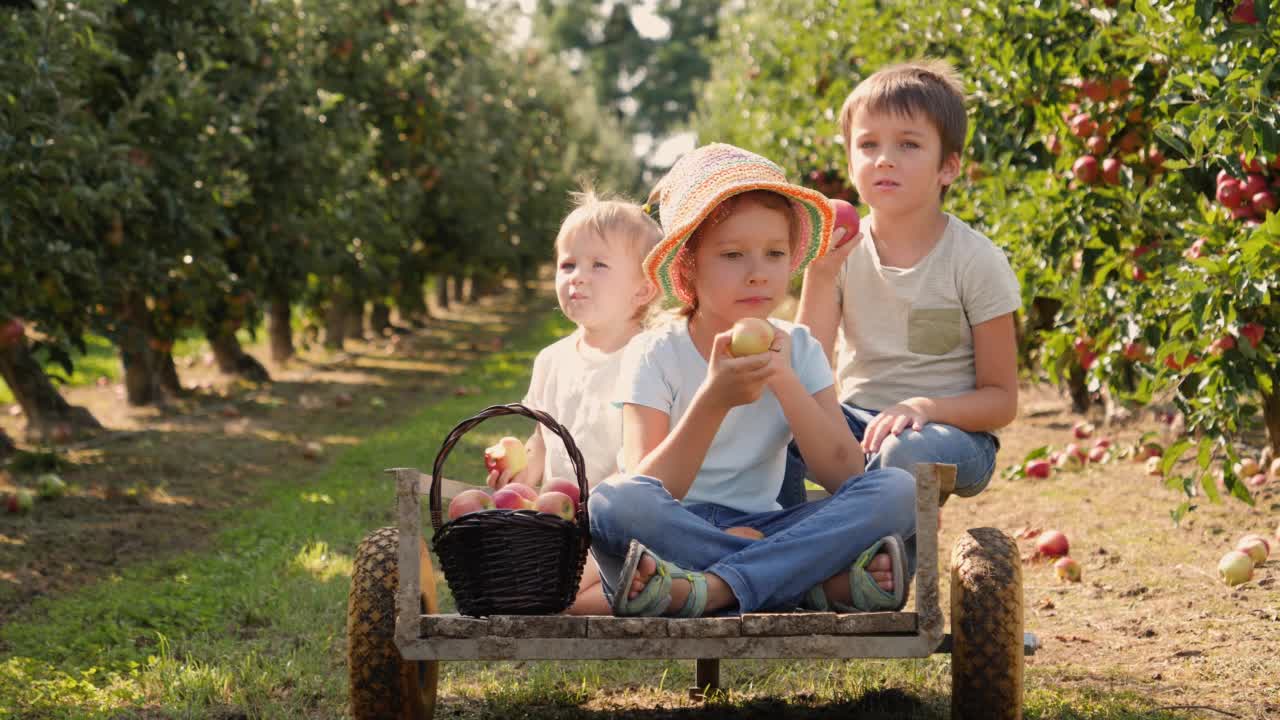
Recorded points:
905,450
619,503
895,487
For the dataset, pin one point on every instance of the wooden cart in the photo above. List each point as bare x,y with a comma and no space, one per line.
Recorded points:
396,635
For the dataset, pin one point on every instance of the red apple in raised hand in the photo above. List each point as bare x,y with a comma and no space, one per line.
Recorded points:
1038,469
751,336
1067,569
847,218
1235,567
507,455
469,501
564,485
508,498
555,503
1052,543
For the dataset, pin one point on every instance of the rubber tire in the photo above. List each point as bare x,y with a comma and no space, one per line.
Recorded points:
986,627
384,686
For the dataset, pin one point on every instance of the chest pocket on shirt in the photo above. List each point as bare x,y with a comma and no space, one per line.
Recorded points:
934,331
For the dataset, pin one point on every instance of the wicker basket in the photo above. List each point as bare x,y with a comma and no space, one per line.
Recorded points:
511,562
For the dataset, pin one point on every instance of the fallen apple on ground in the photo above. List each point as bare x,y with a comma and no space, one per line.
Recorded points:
1052,543
1038,469
1153,467
555,503
469,501
1256,547
20,501
751,336
564,485
1083,430
1067,569
507,455
1235,567
50,486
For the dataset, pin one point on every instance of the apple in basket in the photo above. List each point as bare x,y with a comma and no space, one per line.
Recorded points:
507,455
555,503
469,501
568,487
509,498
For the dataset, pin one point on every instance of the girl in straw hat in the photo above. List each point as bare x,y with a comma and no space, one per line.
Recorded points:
705,433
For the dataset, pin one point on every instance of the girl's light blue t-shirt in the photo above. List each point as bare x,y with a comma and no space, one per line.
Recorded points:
743,469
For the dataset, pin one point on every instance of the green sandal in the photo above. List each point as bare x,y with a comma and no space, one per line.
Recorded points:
867,595
655,598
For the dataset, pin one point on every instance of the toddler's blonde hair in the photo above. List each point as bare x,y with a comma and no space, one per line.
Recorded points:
614,220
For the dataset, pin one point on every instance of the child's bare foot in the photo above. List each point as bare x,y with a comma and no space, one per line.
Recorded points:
881,570
719,594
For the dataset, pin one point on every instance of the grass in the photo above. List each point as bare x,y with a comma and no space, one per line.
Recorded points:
254,626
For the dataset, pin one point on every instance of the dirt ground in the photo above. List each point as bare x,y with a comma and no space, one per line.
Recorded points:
1149,617
152,484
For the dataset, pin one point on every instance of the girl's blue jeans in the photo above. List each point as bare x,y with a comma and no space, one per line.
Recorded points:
803,545
973,454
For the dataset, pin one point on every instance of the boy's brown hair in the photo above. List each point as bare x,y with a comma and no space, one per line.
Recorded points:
928,88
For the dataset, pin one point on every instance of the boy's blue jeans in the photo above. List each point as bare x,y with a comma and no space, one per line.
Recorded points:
803,545
973,454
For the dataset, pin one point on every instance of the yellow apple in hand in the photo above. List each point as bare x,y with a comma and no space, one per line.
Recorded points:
751,336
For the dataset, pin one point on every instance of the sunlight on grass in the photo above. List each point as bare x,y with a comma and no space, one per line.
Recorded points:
322,563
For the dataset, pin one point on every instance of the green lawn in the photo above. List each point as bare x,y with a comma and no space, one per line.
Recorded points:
254,626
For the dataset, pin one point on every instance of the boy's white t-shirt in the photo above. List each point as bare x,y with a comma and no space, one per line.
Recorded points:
909,332
575,384
744,466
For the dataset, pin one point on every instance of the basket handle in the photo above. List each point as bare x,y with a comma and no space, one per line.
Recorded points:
575,456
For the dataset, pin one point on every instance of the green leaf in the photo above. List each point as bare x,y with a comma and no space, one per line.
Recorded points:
1179,512
1172,455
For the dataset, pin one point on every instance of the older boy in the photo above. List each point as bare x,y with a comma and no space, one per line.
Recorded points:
924,303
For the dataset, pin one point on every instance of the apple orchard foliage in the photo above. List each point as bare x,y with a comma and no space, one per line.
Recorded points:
1159,97
208,157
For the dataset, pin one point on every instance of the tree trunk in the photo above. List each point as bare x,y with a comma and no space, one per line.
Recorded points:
410,298
335,324
442,292
279,332
167,374
458,285
141,382
484,285
231,358
1079,392
355,319
49,416
380,319
1271,415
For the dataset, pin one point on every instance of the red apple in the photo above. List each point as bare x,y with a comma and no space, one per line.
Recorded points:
1069,462
1102,442
508,498
1255,546
1094,90
1135,351
1235,567
1120,85
1252,332
1256,165
1148,450
1155,159
1253,185
469,501
847,218
568,487
1052,543
1082,430
1221,345
1263,202
1244,14
1153,466
1076,450
1098,454
1096,145
751,336
1111,171
11,332
1085,169
1229,193
1256,481
1053,144
1139,275
1067,569
507,455
1082,125
523,490
20,501
1244,212
1038,469
1087,359
555,503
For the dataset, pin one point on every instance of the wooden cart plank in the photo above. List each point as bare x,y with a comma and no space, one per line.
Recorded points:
875,623
707,627
453,626
538,626
782,624
654,648
606,627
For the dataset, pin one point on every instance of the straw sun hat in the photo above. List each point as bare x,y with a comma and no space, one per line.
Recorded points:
704,178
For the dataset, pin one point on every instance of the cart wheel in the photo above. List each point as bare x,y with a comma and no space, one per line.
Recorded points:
384,686
986,626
